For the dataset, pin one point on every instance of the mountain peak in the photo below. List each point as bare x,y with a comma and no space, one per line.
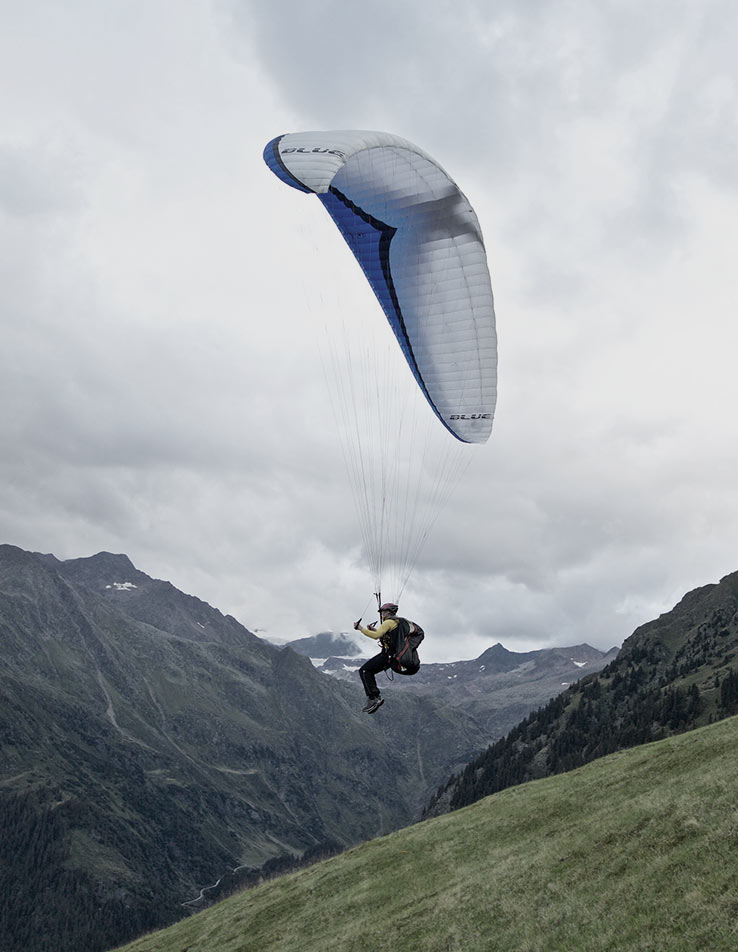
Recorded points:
328,644
103,571
106,562
498,658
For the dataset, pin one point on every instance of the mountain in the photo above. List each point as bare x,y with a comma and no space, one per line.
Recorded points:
327,644
151,745
673,674
636,851
499,688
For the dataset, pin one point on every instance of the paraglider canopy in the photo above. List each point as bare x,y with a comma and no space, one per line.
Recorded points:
420,246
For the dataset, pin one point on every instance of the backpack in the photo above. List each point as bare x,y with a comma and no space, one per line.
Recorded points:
404,647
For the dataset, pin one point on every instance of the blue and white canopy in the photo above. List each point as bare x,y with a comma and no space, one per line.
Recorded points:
419,244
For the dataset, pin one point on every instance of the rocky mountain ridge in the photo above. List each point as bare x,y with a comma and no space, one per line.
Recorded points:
497,689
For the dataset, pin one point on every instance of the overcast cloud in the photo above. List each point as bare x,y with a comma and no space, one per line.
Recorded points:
160,388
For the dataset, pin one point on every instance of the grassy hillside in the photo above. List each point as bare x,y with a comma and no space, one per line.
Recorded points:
636,851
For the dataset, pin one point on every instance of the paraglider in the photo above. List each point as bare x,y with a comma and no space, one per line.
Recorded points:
419,244
398,641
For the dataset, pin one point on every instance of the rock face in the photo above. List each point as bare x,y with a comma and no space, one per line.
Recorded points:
160,744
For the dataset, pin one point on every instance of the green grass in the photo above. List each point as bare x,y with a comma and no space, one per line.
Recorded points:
637,851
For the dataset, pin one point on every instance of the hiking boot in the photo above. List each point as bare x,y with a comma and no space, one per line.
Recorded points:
372,703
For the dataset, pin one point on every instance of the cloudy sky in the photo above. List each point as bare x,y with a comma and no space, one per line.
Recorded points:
161,293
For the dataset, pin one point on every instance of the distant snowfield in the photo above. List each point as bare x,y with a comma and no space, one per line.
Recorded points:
122,586
317,662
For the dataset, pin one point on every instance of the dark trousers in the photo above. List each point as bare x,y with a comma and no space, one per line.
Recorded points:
369,669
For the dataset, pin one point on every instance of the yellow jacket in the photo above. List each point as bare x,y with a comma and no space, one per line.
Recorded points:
381,634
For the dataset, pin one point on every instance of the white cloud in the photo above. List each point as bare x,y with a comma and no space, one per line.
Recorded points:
163,295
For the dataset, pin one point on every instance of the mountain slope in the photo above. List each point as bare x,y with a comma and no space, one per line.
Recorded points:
636,851
150,744
673,674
